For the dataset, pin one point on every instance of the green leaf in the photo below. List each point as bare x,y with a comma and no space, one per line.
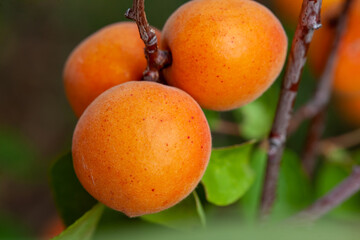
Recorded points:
188,214
228,175
251,200
200,209
71,198
256,117
84,227
213,118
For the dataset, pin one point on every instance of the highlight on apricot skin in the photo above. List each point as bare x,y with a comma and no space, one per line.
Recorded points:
347,69
111,56
141,147
226,53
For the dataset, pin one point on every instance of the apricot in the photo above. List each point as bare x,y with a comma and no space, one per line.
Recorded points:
349,107
141,147
225,53
289,10
111,56
53,228
347,69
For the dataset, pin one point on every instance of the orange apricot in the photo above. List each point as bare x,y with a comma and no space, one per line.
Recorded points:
289,10
111,56
226,53
347,69
349,107
53,228
141,147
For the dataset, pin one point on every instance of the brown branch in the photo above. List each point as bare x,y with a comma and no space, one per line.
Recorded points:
227,128
321,98
156,58
346,140
338,195
323,91
312,143
309,21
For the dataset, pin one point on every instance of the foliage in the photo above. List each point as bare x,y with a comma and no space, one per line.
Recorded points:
70,197
84,227
228,175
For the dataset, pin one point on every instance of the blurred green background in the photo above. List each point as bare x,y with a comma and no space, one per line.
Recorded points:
36,121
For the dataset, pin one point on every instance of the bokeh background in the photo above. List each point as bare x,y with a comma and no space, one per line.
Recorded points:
36,121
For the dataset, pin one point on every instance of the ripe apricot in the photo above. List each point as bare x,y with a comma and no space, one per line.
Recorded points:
53,228
111,56
226,53
347,69
349,107
289,10
141,147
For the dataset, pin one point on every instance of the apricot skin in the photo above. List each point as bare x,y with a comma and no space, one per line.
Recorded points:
349,107
347,69
226,53
141,147
290,9
111,56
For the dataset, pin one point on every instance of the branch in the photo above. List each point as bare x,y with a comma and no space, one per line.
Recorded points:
312,143
309,21
227,128
321,98
156,58
338,195
323,91
346,140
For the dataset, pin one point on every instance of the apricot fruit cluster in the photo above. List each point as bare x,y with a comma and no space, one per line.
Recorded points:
141,147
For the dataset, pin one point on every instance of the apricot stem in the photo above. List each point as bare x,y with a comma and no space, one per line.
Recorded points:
323,91
309,21
334,198
156,58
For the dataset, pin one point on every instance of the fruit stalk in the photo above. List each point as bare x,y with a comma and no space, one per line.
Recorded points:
156,58
323,91
338,195
309,21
